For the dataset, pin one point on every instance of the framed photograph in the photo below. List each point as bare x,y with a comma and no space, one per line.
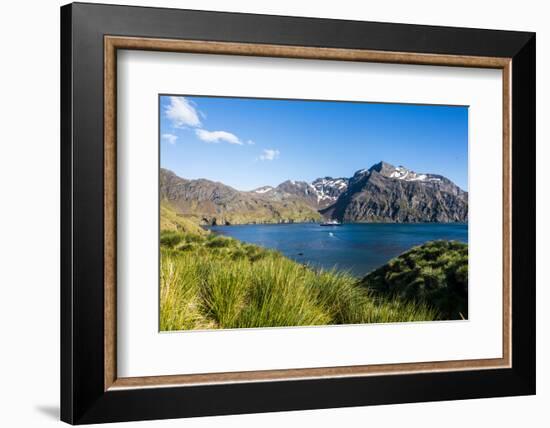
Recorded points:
265,213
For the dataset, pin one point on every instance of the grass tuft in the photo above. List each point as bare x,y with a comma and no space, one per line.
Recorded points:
435,273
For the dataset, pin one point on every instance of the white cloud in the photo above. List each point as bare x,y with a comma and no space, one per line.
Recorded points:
182,113
217,136
269,154
171,138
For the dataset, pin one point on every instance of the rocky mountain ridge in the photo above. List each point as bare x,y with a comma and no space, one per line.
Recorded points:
381,193
385,193
212,203
320,193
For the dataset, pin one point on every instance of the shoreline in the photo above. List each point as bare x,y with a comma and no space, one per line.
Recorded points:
207,227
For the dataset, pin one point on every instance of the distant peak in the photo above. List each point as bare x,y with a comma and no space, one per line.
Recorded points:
383,168
399,173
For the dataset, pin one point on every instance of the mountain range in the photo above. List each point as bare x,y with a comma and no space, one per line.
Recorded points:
381,193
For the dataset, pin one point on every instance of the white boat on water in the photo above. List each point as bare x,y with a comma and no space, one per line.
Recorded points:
331,223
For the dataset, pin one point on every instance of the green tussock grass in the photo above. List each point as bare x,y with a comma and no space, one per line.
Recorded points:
435,272
212,281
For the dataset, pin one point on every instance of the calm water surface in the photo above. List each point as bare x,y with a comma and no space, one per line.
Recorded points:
358,248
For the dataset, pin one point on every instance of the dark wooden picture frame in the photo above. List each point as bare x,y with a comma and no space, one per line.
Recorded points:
90,37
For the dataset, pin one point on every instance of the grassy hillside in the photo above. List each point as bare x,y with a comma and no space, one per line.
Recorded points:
171,221
210,281
255,212
208,202
436,272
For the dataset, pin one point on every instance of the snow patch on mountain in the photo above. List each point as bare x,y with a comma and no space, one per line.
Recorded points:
402,173
329,188
264,189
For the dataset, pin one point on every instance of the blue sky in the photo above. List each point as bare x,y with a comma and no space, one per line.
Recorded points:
247,143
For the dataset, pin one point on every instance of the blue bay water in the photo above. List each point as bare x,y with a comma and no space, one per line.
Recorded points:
358,248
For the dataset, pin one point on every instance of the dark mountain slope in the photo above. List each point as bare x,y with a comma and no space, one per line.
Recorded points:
384,193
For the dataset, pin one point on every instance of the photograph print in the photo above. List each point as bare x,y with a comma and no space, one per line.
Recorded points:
288,212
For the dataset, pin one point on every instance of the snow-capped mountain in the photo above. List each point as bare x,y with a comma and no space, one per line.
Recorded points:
388,193
320,193
399,173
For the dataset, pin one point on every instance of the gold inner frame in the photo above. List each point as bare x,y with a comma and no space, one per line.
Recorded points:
113,43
